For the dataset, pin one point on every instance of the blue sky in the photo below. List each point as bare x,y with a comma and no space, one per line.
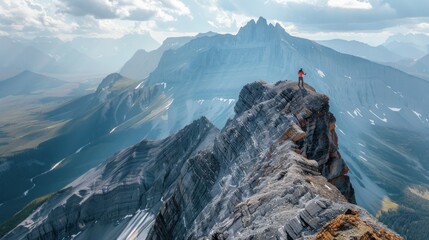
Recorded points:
371,21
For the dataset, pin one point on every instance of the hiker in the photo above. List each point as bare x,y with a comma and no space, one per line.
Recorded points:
301,74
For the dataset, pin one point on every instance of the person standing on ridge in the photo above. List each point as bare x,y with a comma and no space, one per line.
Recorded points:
301,74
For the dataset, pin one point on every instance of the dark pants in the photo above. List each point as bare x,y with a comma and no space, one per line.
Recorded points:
300,80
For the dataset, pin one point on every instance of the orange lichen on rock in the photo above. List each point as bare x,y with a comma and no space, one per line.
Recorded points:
294,133
350,226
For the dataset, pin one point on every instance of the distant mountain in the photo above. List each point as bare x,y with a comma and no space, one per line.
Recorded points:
405,49
404,60
17,56
79,56
27,83
416,67
382,117
377,54
113,53
109,47
413,46
421,41
424,63
143,63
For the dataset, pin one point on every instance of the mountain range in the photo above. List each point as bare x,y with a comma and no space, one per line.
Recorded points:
409,45
78,56
143,62
374,105
407,53
379,54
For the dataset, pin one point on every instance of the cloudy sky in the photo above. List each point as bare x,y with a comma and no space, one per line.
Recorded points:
371,21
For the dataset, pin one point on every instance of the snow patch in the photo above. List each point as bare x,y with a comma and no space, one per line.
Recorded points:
201,101
381,119
228,100
138,226
395,109
389,87
328,187
419,115
321,73
74,235
351,115
164,117
348,77
398,93
360,144
184,222
140,84
366,160
57,164
372,122
376,105
80,149
169,104
341,131
357,112
113,129
162,84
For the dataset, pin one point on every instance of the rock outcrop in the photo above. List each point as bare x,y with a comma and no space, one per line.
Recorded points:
273,172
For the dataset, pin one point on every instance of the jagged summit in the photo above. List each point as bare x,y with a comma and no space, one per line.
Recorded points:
272,172
261,31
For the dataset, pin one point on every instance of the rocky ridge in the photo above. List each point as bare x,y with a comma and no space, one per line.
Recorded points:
273,172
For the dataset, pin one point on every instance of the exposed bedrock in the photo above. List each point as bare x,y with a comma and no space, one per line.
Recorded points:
273,172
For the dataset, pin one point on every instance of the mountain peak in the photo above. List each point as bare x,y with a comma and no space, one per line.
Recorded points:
114,81
262,21
28,75
260,30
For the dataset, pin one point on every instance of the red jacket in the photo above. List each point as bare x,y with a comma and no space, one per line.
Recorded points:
301,73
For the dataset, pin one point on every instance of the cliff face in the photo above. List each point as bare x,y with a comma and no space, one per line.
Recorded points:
273,172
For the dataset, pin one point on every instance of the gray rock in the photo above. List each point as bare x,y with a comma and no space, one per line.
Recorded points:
253,180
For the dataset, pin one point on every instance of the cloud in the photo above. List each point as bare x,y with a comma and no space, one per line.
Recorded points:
350,4
223,19
333,15
30,18
135,10
100,9
106,18
408,9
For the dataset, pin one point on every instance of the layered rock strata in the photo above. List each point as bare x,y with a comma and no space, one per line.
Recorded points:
273,172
